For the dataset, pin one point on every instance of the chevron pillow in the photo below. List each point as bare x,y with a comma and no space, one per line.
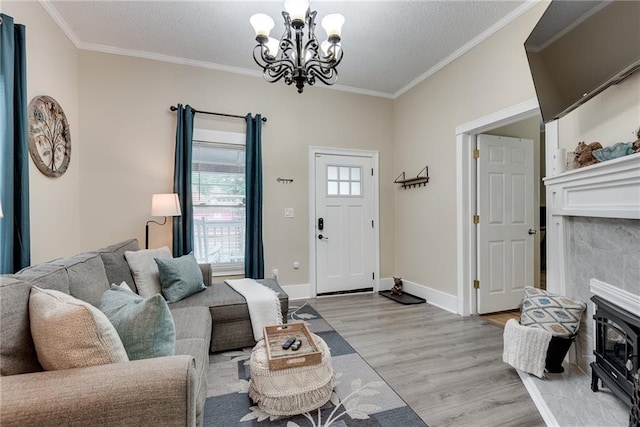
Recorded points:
559,315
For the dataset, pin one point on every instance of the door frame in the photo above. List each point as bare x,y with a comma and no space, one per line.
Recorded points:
466,188
373,155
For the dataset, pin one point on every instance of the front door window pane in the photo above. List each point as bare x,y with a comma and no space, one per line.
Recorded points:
344,181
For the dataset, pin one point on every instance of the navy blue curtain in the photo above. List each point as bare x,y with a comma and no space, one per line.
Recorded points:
183,225
253,252
14,152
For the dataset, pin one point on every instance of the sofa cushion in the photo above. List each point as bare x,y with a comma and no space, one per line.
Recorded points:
145,270
115,264
46,276
87,277
227,304
192,322
179,277
70,333
17,352
559,315
145,325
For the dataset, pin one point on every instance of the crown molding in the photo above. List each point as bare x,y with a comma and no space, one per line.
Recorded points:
528,4
59,20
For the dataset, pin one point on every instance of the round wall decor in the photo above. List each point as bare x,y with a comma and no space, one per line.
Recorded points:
49,136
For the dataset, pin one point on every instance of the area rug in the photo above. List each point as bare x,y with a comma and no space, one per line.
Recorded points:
360,398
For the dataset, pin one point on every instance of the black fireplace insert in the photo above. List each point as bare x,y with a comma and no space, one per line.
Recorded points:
617,345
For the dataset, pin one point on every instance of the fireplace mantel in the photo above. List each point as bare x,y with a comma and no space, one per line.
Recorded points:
609,189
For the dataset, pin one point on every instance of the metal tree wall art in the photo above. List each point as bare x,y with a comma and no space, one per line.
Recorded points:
49,136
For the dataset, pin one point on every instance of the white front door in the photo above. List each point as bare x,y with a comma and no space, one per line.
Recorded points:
505,206
344,232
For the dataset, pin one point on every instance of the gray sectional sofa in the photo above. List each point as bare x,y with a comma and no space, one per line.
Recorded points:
161,391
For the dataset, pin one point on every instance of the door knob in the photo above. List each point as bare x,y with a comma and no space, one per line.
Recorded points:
532,231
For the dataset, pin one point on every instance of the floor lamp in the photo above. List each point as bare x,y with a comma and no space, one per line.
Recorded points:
162,205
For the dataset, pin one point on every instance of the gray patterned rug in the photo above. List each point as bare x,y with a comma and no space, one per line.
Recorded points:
361,397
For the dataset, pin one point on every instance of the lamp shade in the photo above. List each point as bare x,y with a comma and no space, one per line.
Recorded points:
262,24
297,9
273,47
165,205
332,24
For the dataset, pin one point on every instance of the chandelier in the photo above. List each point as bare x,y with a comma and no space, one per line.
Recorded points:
296,58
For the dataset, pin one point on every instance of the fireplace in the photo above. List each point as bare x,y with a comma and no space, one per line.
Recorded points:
617,345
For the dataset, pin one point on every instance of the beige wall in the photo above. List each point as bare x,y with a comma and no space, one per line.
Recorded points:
129,148
610,117
52,69
493,76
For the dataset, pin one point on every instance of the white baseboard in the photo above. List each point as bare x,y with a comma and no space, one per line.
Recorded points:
434,297
386,283
296,292
440,299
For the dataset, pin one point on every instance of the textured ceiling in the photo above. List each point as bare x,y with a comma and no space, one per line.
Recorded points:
388,45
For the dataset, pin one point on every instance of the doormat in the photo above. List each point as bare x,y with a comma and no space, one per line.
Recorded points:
405,298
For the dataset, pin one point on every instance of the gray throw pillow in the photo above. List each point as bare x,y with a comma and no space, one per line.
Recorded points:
145,325
180,277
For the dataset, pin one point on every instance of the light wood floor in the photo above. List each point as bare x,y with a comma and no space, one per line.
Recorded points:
448,368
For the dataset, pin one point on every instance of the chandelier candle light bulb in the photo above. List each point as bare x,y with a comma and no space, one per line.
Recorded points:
298,57
297,9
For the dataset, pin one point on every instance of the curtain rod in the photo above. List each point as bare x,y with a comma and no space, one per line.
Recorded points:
174,108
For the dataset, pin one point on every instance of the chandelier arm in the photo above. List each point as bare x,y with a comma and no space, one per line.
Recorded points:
266,62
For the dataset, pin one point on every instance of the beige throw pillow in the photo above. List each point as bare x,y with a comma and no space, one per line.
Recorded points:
145,270
70,333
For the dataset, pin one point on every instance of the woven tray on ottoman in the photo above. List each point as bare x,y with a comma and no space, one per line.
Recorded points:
290,391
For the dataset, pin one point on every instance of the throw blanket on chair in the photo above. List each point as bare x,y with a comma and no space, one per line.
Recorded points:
263,304
525,348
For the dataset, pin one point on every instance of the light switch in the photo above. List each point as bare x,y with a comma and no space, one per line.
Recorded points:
288,213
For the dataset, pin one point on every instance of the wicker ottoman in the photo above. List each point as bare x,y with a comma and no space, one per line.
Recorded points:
290,391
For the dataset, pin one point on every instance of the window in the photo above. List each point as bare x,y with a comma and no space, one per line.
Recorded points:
344,181
218,191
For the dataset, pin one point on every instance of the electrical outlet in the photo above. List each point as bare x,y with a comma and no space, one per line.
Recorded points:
274,273
296,265
288,213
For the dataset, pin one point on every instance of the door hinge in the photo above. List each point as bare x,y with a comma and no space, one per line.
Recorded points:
373,276
476,219
372,226
371,171
476,284
476,154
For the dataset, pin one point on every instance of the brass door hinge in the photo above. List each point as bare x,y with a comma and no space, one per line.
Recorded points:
476,284
476,219
476,154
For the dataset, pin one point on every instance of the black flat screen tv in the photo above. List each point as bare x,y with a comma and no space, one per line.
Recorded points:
579,48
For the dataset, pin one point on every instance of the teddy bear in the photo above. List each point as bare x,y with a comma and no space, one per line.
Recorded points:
583,153
397,286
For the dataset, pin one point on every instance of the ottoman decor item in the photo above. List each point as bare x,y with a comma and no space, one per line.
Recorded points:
281,358
291,391
49,136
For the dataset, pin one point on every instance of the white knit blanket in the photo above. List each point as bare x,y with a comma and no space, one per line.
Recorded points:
263,304
525,348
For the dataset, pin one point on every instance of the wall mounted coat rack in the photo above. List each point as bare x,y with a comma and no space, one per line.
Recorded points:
421,179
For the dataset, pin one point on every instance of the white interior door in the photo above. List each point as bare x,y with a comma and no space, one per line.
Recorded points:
344,223
505,231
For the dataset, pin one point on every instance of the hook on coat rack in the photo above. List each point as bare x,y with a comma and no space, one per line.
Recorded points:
284,180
